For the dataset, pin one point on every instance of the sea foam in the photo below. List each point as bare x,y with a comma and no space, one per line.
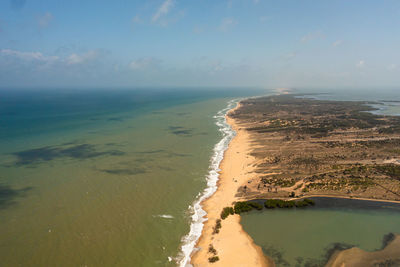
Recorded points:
196,210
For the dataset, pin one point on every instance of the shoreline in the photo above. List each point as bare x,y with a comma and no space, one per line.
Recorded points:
349,198
233,245
198,213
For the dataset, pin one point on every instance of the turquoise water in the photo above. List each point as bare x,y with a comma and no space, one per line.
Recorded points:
307,237
102,178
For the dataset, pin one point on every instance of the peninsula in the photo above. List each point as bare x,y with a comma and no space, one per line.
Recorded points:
289,148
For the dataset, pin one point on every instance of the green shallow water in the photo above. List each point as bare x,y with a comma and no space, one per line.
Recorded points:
306,237
112,195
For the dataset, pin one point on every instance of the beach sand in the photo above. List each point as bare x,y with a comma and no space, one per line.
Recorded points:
356,257
233,245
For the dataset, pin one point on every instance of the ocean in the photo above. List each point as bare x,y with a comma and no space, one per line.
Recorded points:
108,177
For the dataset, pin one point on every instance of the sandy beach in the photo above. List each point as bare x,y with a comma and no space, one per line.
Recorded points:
234,246
276,155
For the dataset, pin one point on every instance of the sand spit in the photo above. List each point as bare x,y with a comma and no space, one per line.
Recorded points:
356,257
234,246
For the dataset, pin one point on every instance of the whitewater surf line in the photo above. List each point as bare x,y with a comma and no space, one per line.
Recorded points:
197,213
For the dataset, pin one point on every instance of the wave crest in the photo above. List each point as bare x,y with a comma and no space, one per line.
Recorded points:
196,226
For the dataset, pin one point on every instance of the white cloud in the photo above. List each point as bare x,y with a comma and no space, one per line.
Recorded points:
28,56
144,63
312,36
162,10
360,64
337,43
40,59
75,59
226,24
45,20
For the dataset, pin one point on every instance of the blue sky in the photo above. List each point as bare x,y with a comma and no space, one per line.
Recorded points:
261,43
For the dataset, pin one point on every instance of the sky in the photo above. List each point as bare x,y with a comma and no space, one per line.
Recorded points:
200,43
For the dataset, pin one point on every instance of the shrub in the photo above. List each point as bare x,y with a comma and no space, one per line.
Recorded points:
217,226
289,204
212,250
255,205
213,259
278,203
301,204
226,212
309,201
242,207
271,203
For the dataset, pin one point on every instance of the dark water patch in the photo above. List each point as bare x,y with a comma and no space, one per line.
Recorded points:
133,171
333,203
116,119
277,255
151,152
387,239
186,132
182,113
8,195
175,154
48,153
69,143
160,152
181,131
332,248
165,168
94,119
143,160
174,128
112,144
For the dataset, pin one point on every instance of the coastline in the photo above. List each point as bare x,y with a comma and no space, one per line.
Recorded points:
348,197
233,245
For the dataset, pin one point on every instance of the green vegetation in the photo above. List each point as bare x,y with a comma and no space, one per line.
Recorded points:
281,182
217,227
242,207
212,250
390,170
226,212
245,206
255,205
213,259
279,203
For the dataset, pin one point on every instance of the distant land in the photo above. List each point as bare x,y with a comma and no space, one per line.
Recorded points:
288,148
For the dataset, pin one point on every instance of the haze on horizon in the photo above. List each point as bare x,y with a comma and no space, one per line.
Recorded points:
170,43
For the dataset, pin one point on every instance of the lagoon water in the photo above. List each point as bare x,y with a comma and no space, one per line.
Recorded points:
305,237
104,177
308,236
